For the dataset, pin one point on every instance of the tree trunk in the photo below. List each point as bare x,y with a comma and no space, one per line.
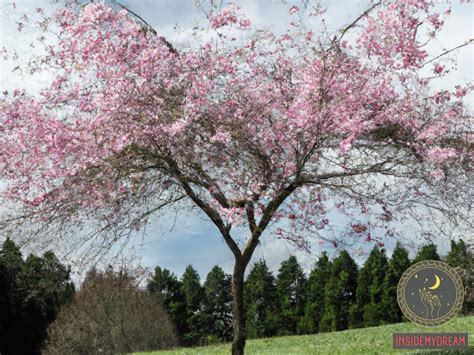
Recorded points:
238,322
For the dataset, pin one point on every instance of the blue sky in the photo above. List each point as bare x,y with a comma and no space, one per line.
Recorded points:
191,239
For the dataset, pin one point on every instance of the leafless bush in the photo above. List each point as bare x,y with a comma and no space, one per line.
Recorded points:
111,315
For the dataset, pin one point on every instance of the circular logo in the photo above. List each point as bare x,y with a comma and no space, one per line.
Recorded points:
430,293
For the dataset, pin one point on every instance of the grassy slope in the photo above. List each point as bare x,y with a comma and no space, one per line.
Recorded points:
376,340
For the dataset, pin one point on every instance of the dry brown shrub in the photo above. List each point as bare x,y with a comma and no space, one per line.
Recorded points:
111,315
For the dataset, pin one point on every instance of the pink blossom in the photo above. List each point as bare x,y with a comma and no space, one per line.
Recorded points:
359,228
222,137
435,21
460,92
442,96
245,23
294,9
176,127
438,69
228,16
440,155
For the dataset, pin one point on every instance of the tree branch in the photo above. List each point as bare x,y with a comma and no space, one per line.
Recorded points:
211,213
150,28
468,42
316,179
365,13
270,210
249,209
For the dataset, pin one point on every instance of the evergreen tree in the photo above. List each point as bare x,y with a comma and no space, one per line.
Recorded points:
458,256
291,285
367,311
11,263
356,310
314,306
461,257
377,264
167,288
340,293
261,302
31,294
398,264
11,258
218,305
193,295
427,252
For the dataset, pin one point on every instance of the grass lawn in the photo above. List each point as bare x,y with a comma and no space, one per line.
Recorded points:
375,340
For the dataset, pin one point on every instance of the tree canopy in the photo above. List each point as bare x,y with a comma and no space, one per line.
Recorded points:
268,129
131,124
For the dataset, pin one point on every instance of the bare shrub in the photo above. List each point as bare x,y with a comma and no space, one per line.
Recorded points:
110,315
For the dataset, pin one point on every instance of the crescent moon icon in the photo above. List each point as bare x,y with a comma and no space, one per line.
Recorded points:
437,283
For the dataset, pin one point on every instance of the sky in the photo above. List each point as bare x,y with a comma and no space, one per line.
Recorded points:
176,241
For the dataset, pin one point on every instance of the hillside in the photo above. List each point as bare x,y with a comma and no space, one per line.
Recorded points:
373,340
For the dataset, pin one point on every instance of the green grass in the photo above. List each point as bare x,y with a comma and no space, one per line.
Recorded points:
375,340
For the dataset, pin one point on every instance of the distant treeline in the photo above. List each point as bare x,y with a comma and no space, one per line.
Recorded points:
336,295
40,311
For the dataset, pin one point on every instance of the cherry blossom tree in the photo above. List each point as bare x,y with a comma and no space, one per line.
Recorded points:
256,130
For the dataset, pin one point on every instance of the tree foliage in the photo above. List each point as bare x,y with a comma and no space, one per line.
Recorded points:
427,252
461,257
340,293
398,264
31,294
193,293
261,302
167,288
370,289
218,306
291,286
314,306
246,135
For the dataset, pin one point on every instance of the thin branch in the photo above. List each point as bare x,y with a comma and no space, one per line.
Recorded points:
468,42
147,25
150,28
376,168
365,13
162,205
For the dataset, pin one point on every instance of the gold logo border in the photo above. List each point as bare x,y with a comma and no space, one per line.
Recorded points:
440,266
